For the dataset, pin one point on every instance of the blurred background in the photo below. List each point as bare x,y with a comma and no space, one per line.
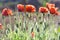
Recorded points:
37,3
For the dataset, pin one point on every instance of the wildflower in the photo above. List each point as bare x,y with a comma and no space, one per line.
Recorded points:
43,9
20,7
0,26
6,12
30,8
9,11
53,10
32,34
49,5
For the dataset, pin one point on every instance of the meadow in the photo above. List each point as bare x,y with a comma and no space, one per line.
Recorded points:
29,25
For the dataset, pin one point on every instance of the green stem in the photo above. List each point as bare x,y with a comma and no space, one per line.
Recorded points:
10,23
3,21
18,18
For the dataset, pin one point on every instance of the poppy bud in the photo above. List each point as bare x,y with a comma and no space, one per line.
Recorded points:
32,34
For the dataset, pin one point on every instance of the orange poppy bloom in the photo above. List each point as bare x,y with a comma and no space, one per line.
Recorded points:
49,5
20,7
32,34
0,26
53,10
43,10
30,8
9,12
6,12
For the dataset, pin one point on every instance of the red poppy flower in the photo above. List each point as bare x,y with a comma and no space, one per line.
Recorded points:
20,7
32,34
6,12
49,5
9,11
43,9
30,8
0,26
53,10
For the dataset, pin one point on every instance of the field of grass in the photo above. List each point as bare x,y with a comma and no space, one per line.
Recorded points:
29,26
26,24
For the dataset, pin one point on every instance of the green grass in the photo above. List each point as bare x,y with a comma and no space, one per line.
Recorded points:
43,30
